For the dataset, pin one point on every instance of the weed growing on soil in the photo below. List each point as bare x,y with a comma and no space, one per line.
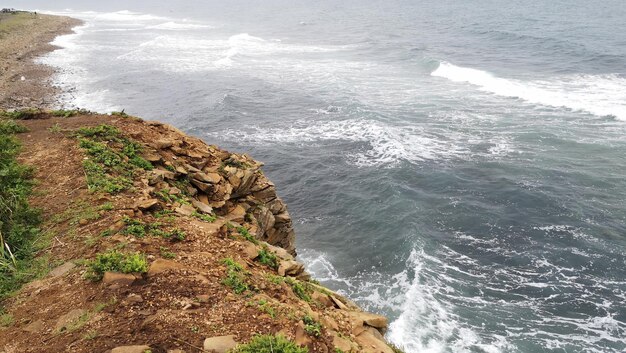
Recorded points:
18,221
235,276
246,234
23,114
269,344
311,326
301,289
114,261
205,217
66,113
266,307
6,320
113,159
166,253
267,258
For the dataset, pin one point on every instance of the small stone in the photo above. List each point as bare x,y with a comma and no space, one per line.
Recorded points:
250,250
212,178
185,210
131,349
62,270
163,144
67,319
116,278
83,222
134,298
220,344
162,265
202,207
146,204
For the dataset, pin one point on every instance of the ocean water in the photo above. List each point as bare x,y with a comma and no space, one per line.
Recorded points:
458,166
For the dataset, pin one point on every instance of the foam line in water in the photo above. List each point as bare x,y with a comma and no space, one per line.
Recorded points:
602,95
385,144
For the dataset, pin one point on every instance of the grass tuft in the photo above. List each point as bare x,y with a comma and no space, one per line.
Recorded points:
235,276
269,344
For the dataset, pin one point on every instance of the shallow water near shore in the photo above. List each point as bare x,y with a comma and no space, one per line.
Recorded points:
458,168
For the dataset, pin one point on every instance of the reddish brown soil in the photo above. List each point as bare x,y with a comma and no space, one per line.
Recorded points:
177,308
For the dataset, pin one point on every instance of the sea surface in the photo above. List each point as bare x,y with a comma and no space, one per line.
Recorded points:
456,165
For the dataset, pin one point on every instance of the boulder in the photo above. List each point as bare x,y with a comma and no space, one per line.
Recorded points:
131,349
290,268
373,320
302,339
341,343
116,278
220,344
323,299
282,218
371,344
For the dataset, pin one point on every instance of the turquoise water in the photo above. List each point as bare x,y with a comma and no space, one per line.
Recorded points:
458,166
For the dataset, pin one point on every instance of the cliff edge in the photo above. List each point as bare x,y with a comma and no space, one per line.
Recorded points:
153,241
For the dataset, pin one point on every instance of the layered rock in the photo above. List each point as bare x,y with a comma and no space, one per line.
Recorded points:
217,181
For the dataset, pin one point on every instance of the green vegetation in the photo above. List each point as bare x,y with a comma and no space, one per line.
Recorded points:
166,253
19,222
301,289
114,261
269,344
267,258
267,308
140,229
165,195
246,234
235,276
67,113
311,326
23,114
6,320
113,159
205,217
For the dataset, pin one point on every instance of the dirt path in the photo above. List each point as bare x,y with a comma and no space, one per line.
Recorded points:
23,37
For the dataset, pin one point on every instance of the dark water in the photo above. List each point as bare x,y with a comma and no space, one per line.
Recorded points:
458,166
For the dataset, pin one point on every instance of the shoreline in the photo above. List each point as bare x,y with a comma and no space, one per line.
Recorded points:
24,37
282,299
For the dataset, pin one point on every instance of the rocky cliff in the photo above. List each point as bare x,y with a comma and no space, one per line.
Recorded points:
159,242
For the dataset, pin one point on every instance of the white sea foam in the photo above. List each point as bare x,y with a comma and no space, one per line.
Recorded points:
602,95
383,144
178,26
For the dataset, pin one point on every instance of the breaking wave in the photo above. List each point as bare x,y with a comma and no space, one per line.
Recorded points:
602,95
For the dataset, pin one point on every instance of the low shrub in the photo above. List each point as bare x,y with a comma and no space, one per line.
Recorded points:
114,261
